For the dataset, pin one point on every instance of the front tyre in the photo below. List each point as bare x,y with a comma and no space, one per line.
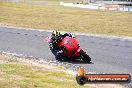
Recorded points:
58,58
84,56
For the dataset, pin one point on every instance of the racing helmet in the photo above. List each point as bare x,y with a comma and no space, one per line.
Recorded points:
56,35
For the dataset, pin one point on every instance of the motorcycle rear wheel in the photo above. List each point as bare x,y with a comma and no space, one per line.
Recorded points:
84,56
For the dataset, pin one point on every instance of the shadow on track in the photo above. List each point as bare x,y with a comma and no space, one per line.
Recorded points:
75,61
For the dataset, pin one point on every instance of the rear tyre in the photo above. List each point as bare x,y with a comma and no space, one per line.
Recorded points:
84,56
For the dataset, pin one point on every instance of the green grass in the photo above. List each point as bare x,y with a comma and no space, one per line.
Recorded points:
16,72
24,76
49,15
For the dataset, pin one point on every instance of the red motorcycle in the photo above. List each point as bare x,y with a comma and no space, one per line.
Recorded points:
72,50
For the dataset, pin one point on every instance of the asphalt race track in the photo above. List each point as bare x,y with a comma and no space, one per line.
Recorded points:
108,55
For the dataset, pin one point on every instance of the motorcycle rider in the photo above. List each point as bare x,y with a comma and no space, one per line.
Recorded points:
55,38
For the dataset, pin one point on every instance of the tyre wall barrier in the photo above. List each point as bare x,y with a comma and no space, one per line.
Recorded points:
96,6
112,8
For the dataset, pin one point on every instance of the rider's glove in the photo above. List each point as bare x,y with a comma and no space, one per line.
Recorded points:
51,45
